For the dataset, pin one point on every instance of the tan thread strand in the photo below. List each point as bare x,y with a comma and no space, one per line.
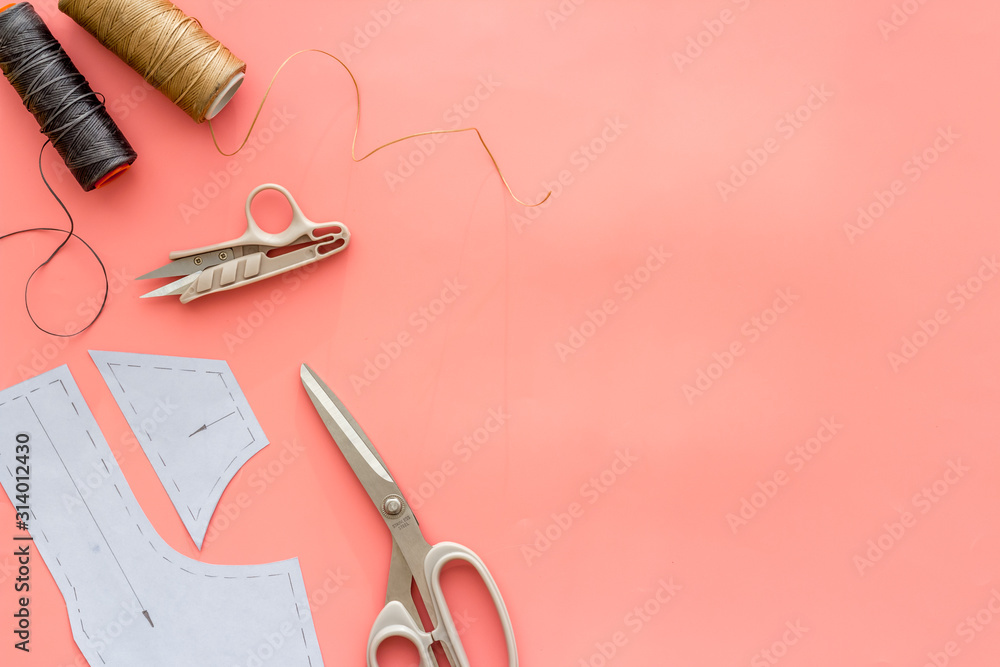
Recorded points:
357,127
170,50
174,53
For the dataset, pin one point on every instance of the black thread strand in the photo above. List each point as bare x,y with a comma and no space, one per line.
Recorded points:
69,234
70,114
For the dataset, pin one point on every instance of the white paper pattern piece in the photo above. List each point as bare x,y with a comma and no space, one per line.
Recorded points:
193,422
132,600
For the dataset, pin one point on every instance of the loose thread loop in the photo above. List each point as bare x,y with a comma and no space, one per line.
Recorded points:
357,127
69,234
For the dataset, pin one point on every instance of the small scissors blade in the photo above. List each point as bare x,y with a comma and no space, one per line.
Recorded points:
191,264
176,287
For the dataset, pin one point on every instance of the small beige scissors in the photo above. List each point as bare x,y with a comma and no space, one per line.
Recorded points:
254,256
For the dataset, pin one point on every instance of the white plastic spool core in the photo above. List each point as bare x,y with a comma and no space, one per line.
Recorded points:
225,94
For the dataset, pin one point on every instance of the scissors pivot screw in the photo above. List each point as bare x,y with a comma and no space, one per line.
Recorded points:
392,505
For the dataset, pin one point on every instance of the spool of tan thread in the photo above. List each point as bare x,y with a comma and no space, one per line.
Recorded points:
167,47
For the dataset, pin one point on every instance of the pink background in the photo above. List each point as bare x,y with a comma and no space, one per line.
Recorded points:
793,579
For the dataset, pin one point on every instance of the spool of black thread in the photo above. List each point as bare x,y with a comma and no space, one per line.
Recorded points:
68,111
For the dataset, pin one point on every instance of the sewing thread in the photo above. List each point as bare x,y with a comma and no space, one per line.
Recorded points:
168,48
357,127
67,110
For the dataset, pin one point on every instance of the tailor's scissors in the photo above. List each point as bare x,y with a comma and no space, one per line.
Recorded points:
413,559
254,256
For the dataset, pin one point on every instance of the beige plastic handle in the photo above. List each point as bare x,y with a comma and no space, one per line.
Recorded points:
395,621
299,230
254,266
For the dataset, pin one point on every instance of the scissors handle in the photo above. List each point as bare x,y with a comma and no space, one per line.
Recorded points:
299,227
395,621
300,230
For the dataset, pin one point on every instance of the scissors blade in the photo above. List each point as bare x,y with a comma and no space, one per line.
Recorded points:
176,287
190,264
409,546
346,432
